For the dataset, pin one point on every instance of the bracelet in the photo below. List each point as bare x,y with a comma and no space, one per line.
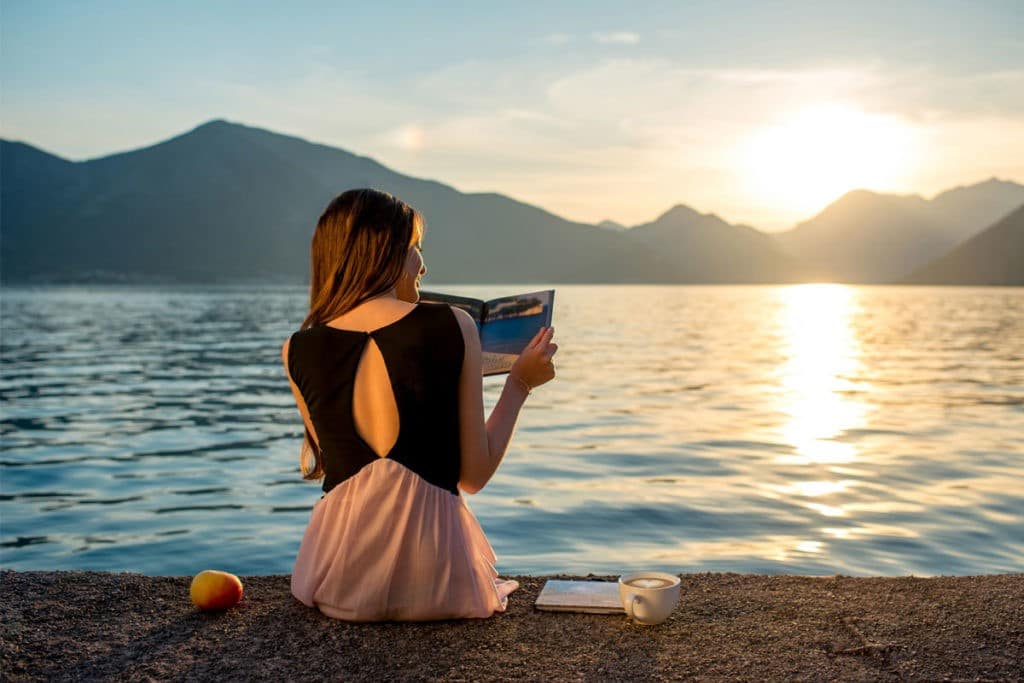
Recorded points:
525,385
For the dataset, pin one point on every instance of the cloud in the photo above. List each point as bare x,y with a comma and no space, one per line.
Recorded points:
616,38
926,96
558,39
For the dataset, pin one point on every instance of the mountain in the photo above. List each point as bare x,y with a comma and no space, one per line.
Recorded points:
866,237
227,202
994,256
963,209
707,249
29,179
870,237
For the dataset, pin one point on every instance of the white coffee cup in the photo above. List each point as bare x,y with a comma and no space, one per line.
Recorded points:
649,597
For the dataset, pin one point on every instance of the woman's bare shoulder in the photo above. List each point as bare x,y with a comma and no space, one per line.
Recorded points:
286,346
465,320
284,350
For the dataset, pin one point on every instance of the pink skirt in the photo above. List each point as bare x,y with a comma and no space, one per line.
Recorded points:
385,544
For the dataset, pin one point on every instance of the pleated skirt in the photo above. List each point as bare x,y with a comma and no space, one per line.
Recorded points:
386,544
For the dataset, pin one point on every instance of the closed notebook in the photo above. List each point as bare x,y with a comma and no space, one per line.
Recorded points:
592,597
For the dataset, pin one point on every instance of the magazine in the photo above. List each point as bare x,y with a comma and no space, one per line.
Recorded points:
506,324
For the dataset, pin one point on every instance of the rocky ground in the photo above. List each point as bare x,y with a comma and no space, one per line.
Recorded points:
79,625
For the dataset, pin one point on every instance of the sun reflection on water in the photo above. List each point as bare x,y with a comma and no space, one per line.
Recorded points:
822,355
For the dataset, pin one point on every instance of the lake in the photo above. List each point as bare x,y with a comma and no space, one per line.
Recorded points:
810,429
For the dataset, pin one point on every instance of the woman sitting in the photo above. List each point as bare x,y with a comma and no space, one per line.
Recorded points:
391,393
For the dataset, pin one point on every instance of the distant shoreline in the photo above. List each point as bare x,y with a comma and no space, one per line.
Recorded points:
86,625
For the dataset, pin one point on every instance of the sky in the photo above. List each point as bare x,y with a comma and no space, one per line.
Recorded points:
760,112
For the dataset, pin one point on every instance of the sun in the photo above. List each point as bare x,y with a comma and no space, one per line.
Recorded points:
817,154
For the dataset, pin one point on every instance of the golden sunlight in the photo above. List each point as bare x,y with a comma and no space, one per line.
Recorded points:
823,352
823,152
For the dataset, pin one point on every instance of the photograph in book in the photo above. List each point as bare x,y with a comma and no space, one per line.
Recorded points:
506,324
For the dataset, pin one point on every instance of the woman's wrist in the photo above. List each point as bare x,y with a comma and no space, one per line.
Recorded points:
522,384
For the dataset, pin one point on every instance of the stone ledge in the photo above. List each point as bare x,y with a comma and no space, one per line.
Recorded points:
72,625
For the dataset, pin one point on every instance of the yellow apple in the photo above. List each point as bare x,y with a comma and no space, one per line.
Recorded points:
213,589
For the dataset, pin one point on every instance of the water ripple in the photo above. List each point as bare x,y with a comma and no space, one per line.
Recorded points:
807,429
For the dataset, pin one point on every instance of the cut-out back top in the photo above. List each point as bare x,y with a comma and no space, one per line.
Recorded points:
392,538
423,353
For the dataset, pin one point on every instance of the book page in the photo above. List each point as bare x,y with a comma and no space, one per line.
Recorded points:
506,324
509,323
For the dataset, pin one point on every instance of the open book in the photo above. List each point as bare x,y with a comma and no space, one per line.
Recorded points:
506,324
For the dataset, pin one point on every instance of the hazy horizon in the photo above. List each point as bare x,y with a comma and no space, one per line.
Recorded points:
761,115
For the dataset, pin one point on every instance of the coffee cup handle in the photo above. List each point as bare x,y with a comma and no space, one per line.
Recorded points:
631,600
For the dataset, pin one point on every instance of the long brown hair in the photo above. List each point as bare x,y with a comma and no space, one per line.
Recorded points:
358,252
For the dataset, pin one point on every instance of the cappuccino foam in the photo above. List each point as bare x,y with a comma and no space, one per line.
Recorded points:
650,582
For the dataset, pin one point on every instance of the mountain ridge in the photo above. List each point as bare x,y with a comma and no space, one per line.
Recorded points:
225,200
865,236
994,257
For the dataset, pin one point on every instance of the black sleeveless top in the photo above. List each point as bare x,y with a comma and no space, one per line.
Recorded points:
423,353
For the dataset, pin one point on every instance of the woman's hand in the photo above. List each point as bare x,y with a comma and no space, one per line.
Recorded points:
534,365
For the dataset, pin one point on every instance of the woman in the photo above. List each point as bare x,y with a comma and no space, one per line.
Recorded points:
391,393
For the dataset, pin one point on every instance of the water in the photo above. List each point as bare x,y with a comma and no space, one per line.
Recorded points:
810,429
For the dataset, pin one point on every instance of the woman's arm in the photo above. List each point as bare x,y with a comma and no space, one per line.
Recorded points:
484,444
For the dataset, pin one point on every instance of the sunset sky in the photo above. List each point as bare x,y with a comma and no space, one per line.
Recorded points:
761,112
